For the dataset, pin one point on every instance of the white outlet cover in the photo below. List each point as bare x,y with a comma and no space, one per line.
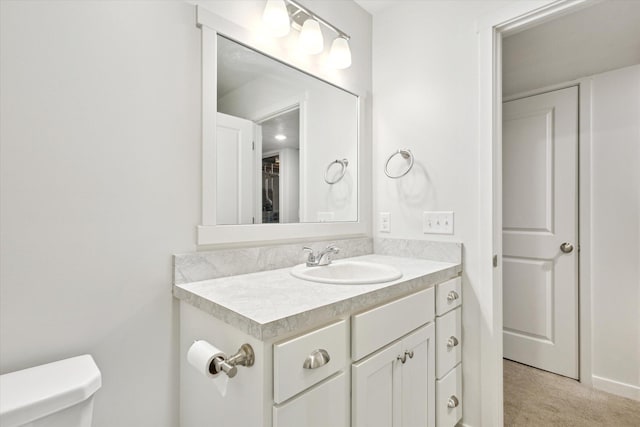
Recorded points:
385,222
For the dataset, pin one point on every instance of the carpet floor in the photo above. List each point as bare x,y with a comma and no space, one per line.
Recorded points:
533,397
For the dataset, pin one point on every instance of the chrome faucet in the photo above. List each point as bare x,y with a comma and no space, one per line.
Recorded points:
322,257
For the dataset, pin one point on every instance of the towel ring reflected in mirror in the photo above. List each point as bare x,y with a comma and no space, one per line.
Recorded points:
406,154
343,163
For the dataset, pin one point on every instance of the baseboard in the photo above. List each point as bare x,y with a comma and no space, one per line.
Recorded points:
614,387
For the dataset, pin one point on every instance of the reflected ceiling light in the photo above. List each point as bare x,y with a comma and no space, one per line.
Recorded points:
340,54
280,137
276,18
308,23
310,40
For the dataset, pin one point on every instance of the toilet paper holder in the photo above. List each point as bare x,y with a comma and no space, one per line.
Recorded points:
243,357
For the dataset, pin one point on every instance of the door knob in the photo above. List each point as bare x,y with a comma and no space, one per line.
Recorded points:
566,247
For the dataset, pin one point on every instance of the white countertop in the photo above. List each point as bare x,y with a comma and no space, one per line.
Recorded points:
271,303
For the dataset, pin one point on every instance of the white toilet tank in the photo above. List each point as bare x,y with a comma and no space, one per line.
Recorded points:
58,394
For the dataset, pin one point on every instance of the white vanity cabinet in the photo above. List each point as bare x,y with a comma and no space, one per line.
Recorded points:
397,364
395,386
449,352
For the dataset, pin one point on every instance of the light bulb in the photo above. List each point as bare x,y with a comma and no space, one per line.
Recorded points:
340,54
311,37
280,137
276,18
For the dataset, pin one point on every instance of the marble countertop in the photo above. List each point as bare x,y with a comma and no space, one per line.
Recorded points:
272,303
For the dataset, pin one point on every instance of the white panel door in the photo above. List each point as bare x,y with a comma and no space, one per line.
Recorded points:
540,274
235,174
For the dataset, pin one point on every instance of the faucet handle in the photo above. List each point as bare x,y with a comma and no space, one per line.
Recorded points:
333,248
311,252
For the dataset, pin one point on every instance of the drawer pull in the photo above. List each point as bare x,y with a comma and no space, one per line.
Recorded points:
316,359
452,342
452,296
453,402
403,358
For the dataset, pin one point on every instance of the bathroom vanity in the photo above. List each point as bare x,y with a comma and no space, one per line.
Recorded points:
385,354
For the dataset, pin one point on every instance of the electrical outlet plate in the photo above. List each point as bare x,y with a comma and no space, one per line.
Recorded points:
437,222
385,222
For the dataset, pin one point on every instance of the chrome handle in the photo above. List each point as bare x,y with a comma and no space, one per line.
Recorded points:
403,358
221,364
452,296
316,359
452,342
453,402
566,247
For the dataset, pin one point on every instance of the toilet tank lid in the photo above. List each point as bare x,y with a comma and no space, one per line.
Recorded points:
36,392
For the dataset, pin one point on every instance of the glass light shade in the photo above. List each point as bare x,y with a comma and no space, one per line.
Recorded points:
311,37
340,54
276,18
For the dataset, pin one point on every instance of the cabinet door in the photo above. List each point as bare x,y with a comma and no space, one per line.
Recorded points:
418,378
376,389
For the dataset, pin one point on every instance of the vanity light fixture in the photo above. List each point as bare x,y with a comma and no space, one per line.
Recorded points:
276,18
308,23
310,40
280,137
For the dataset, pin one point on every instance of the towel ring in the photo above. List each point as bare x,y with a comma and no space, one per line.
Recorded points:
406,154
344,163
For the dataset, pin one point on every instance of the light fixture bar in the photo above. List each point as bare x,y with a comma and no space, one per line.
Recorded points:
319,19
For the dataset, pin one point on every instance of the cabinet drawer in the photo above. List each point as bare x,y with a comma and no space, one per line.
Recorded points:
448,295
289,375
375,328
322,406
448,341
449,398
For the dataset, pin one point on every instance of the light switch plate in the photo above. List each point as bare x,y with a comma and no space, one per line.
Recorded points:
385,222
437,222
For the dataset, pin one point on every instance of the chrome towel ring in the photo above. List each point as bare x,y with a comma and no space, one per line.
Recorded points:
343,163
406,154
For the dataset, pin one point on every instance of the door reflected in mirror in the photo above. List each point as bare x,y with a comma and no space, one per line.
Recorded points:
286,143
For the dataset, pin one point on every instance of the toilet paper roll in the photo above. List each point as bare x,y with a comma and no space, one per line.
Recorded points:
201,355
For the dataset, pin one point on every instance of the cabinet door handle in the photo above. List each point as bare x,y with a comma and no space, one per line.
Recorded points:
316,359
452,342
402,358
452,296
453,402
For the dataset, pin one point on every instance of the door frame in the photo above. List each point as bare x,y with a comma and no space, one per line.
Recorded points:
513,18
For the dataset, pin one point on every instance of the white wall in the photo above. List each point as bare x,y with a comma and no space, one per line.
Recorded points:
555,51
100,184
425,81
615,230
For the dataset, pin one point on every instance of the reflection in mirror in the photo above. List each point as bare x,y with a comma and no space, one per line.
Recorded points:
279,134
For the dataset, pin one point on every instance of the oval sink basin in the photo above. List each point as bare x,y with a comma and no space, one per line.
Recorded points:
347,273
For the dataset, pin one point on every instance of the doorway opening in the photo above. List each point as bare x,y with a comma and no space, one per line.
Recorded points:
566,129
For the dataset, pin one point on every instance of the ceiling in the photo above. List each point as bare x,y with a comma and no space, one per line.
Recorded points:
287,124
239,65
374,6
599,38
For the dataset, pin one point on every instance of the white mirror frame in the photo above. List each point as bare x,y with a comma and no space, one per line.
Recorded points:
209,233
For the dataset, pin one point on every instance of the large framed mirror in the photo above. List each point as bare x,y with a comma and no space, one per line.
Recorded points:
280,146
